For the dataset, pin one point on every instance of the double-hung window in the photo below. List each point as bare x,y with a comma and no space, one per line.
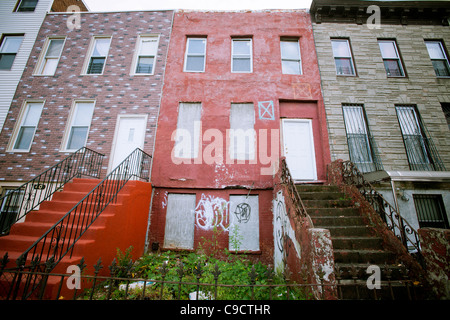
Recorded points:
48,63
97,55
438,57
194,60
343,57
358,138
242,132
241,55
9,47
80,123
146,54
27,128
421,154
391,58
290,56
26,5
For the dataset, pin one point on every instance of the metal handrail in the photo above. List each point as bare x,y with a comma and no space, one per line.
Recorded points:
394,221
16,204
60,239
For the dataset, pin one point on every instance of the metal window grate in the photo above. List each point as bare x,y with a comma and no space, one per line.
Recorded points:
430,211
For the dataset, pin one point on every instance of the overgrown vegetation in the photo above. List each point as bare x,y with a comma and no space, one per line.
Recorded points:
193,268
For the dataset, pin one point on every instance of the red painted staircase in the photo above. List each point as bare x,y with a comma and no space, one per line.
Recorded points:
121,225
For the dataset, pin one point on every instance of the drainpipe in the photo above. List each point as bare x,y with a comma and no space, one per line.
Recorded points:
394,193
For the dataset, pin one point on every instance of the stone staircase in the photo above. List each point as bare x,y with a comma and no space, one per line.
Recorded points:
355,244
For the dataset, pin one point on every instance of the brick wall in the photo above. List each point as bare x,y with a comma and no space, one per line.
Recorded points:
378,93
115,91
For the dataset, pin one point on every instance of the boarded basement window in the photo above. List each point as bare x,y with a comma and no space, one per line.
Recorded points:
180,217
244,223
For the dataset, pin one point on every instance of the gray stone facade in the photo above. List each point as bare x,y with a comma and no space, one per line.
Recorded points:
380,94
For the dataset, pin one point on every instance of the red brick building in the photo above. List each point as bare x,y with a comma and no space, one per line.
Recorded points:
97,86
241,90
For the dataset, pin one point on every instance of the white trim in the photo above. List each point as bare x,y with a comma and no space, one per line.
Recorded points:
251,54
197,55
89,55
136,54
40,63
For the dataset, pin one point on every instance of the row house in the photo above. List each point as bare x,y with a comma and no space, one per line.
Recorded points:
20,21
97,86
385,75
242,89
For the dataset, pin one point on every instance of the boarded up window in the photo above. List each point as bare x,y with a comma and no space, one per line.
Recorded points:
242,133
179,231
188,130
244,227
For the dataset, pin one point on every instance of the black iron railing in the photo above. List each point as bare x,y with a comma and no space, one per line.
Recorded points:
60,240
17,203
287,180
395,222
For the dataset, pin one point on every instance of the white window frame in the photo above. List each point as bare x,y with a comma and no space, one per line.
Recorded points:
16,9
69,125
91,51
21,120
444,53
350,57
136,57
398,58
43,57
233,56
2,43
187,54
299,60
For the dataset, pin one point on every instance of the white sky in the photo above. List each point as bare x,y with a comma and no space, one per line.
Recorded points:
127,5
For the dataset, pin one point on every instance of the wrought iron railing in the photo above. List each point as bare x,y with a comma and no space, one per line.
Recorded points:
17,203
60,239
395,222
286,179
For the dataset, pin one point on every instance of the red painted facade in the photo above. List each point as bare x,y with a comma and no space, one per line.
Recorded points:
293,96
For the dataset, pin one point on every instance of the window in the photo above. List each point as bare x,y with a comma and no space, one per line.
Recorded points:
391,58
28,124
146,54
242,133
358,139
290,56
79,125
8,49
99,51
9,208
241,55
26,5
180,221
188,130
446,110
430,211
244,223
49,62
194,60
343,57
438,57
421,155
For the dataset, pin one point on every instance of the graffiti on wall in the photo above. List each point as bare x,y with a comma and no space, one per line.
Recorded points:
212,212
284,235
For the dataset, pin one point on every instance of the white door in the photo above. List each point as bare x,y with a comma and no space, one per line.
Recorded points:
298,142
130,134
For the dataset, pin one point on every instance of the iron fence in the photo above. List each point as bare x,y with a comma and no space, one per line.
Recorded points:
205,283
17,203
59,240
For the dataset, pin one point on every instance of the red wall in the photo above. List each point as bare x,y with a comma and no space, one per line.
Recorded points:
217,88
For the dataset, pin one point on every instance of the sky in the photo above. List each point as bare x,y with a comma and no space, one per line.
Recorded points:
127,5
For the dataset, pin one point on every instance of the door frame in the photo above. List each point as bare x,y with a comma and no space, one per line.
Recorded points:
116,134
311,131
